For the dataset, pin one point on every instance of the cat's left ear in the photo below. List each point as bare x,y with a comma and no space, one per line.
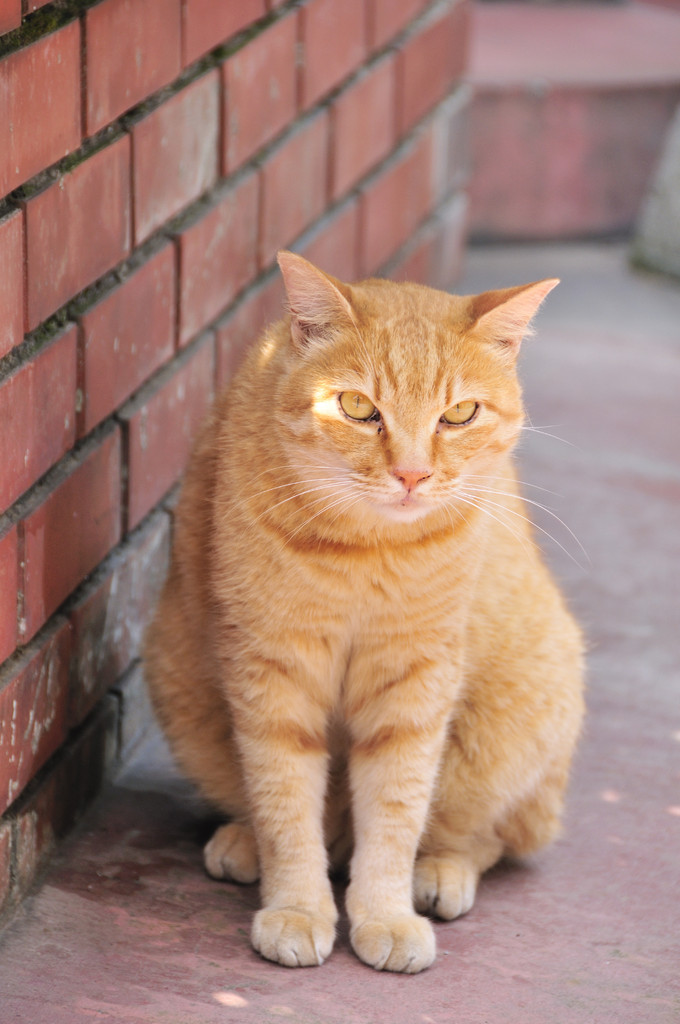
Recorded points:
504,317
318,303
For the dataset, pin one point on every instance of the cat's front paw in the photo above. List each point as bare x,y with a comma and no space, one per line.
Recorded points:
444,886
405,943
232,854
293,937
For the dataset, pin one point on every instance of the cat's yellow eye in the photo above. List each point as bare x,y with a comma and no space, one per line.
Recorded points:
460,413
356,405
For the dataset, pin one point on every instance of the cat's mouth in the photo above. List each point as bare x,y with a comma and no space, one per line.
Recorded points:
405,507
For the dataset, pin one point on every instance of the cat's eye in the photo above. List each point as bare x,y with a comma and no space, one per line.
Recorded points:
460,413
356,405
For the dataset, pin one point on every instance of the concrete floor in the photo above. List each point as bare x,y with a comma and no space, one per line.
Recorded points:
127,929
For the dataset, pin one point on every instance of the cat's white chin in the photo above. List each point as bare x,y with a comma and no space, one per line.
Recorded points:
405,511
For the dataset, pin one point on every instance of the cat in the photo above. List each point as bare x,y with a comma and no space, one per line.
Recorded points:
359,655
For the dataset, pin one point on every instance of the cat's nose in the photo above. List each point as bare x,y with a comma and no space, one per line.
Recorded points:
410,478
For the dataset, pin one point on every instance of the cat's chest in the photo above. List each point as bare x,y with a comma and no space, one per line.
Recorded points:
393,589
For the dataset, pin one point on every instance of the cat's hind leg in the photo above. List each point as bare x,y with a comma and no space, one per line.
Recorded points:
445,881
444,886
459,846
535,820
231,854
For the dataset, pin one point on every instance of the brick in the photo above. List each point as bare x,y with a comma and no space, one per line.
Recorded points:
363,126
161,424
395,202
73,529
64,252
33,702
174,154
132,51
207,23
387,18
109,620
260,91
37,416
294,186
35,5
11,281
217,256
244,324
10,15
60,799
334,44
9,582
431,63
126,336
39,106
333,243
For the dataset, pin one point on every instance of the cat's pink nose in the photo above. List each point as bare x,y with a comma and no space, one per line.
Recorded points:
410,478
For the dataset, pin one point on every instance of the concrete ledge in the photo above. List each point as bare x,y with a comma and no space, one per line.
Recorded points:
571,108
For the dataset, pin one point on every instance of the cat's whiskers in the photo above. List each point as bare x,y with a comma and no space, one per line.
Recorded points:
300,475
296,471
334,519
356,499
493,478
349,499
521,497
483,502
295,483
536,504
468,500
276,470
448,507
298,494
545,433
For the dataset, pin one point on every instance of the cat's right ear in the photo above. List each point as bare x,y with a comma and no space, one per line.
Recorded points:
319,304
504,316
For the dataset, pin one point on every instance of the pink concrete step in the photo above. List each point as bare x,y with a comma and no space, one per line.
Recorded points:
571,107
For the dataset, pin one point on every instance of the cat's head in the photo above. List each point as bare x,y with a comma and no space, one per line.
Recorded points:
397,397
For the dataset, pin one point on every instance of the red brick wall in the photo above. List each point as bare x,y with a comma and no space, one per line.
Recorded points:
154,156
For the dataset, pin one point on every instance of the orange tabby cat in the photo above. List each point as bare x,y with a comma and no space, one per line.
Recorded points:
359,652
